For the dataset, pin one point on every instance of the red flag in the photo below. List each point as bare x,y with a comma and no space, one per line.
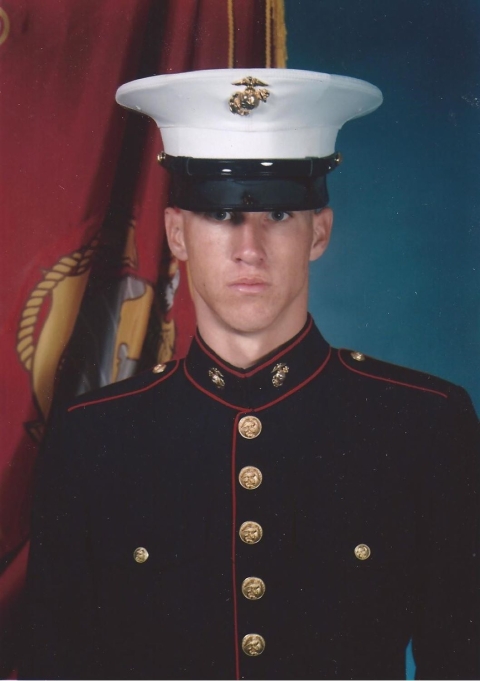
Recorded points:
81,187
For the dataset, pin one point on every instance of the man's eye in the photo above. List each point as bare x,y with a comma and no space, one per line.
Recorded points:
279,215
220,215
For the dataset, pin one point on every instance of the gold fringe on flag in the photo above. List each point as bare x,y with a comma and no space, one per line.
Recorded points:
275,34
275,24
280,28
231,35
268,33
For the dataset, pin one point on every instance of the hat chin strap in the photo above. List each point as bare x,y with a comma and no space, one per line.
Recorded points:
250,168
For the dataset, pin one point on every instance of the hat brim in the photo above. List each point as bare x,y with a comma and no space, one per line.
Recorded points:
249,184
248,195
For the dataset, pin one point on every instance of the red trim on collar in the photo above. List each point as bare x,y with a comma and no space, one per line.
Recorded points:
247,374
249,410
132,392
234,547
389,380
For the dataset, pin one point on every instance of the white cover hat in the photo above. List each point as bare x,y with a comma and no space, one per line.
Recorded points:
249,139
300,117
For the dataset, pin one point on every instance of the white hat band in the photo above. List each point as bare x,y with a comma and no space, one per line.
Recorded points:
285,144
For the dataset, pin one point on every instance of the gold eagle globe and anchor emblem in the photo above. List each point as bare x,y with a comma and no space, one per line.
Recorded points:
242,103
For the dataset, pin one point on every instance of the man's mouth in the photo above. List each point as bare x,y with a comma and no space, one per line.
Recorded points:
249,285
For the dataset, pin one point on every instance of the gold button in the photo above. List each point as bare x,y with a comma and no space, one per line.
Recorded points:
140,554
253,588
253,645
250,477
159,368
250,532
249,427
362,552
358,356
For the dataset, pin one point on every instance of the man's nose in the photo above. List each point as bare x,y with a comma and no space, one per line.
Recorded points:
248,240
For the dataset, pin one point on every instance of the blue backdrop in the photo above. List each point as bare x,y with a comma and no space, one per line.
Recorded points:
400,280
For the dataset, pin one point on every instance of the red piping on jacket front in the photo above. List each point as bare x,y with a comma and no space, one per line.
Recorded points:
234,540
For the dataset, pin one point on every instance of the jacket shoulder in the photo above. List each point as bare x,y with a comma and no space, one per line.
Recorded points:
129,387
374,369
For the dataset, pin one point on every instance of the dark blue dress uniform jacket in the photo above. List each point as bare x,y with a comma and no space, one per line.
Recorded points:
352,451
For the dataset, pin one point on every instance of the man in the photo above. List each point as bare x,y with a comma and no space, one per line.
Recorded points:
269,507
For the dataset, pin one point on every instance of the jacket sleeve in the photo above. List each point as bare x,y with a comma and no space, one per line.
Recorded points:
58,629
446,641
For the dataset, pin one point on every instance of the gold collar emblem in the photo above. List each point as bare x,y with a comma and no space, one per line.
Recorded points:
279,372
217,377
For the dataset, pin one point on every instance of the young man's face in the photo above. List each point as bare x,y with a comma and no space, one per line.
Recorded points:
249,271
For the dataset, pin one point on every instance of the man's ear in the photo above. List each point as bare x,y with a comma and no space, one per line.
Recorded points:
175,230
322,228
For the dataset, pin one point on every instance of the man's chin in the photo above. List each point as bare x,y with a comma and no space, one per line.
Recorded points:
250,322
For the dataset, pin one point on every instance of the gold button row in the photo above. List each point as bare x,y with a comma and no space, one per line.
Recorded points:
250,532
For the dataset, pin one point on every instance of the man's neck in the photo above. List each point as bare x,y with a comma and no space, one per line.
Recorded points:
243,350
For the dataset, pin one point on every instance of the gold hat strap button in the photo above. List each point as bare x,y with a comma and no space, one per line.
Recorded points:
250,477
253,588
249,427
250,532
159,368
253,645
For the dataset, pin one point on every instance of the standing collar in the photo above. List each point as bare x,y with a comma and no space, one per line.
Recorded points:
275,377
